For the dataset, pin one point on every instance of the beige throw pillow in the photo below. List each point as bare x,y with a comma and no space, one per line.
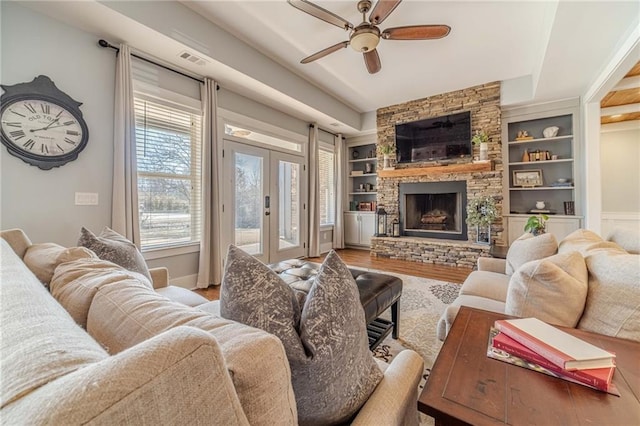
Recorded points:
529,247
613,303
553,290
42,259
580,240
111,246
75,284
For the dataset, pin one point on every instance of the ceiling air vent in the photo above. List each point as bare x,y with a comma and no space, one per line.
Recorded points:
192,58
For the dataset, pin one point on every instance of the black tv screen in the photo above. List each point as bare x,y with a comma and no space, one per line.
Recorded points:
432,139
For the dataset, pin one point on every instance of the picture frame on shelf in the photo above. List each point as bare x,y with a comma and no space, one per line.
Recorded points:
527,178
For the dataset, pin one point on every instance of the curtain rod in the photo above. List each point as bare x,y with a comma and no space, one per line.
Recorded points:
326,131
104,43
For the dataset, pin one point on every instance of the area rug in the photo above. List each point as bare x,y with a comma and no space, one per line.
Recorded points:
422,303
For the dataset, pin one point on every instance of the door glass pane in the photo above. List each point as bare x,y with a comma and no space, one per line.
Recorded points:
289,204
248,197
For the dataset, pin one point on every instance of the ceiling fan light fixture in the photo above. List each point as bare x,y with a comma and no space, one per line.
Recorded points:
365,40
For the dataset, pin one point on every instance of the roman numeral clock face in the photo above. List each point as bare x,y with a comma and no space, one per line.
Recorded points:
41,130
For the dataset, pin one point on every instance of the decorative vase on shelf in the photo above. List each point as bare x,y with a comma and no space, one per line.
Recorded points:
484,151
525,156
386,163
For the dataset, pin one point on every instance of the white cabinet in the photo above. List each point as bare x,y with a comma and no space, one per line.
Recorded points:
560,227
542,166
359,228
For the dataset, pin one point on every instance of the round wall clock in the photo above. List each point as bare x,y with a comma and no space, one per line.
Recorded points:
42,125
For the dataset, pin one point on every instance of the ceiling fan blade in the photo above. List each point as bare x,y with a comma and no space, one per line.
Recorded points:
320,13
416,32
324,52
372,61
382,10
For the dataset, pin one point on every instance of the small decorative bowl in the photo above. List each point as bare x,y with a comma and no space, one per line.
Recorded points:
550,132
562,180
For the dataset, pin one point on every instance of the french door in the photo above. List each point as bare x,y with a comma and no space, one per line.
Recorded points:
264,201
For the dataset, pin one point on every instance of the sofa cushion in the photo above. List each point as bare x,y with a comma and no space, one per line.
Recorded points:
115,248
125,314
553,289
74,284
582,240
449,315
491,285
42,259
529,247
628,239
40,341
337,373
613,302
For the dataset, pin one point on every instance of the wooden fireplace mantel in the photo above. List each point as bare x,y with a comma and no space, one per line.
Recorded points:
432,170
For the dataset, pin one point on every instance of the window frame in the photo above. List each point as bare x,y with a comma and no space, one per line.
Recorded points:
191,106
323,146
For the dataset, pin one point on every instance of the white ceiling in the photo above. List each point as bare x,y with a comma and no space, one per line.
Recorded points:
540,50
554,49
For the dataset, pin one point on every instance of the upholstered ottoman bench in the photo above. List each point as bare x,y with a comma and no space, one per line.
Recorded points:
378,292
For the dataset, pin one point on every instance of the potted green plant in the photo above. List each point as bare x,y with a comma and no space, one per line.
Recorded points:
386,150
481,213
536,224
481,138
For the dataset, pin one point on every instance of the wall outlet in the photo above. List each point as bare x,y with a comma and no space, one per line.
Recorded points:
86,198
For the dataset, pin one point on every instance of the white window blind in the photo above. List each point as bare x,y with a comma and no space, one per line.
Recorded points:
327,187
168,154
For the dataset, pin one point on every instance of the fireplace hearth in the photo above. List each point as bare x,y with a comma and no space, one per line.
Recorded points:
434,209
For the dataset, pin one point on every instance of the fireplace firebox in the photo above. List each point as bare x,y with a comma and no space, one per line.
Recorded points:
434,209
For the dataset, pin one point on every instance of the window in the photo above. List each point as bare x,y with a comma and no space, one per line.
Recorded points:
168,154
327,187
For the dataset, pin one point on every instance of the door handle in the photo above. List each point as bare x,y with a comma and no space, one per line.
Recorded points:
267,201
267,213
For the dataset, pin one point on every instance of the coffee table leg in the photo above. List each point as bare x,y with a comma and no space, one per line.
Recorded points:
395,318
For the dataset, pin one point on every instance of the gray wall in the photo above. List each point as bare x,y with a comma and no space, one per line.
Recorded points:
620,159
42,202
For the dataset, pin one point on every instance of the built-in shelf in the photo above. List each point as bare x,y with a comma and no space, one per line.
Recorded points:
541,188
556,138
364,175
363,193
522,163
451,168
359,160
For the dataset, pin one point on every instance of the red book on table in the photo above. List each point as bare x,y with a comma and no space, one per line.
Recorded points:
562,349
599,378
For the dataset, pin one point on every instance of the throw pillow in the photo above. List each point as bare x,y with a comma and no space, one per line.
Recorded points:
529,247
332,370
580,240
553,290
115,248
613,302
42,259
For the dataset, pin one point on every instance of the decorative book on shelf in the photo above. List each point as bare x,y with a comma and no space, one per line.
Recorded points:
562,349
599,378
499,354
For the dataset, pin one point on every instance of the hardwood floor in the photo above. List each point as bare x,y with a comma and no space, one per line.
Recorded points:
362,259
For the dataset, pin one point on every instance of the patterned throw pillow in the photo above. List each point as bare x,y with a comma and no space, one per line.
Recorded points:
332,370
115,248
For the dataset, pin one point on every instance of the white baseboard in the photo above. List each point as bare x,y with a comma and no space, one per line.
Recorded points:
188,281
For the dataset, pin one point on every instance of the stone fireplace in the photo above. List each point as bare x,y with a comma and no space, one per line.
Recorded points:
429,199
434,210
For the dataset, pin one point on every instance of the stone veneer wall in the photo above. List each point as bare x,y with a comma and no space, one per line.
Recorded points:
484,103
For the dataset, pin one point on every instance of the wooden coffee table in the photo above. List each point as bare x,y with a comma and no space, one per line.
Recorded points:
466,387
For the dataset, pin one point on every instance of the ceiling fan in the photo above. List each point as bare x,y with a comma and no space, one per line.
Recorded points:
366,36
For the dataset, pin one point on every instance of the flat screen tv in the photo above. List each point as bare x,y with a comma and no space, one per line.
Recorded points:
439,138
